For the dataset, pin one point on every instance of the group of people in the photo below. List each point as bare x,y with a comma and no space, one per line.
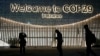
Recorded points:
89,37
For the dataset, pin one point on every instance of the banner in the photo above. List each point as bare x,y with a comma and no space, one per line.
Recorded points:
45,12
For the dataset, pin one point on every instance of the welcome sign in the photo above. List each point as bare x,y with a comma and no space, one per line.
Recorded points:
45,12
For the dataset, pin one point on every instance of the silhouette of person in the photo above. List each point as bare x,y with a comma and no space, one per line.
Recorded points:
22,42
88,41
59,42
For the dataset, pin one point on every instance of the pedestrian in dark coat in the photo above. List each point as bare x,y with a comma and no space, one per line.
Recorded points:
89,37
22,42
59,42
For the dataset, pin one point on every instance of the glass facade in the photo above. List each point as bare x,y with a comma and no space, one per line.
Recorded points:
38,35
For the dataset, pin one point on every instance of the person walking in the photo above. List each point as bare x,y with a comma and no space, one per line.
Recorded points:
90,39
22,42
59,42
